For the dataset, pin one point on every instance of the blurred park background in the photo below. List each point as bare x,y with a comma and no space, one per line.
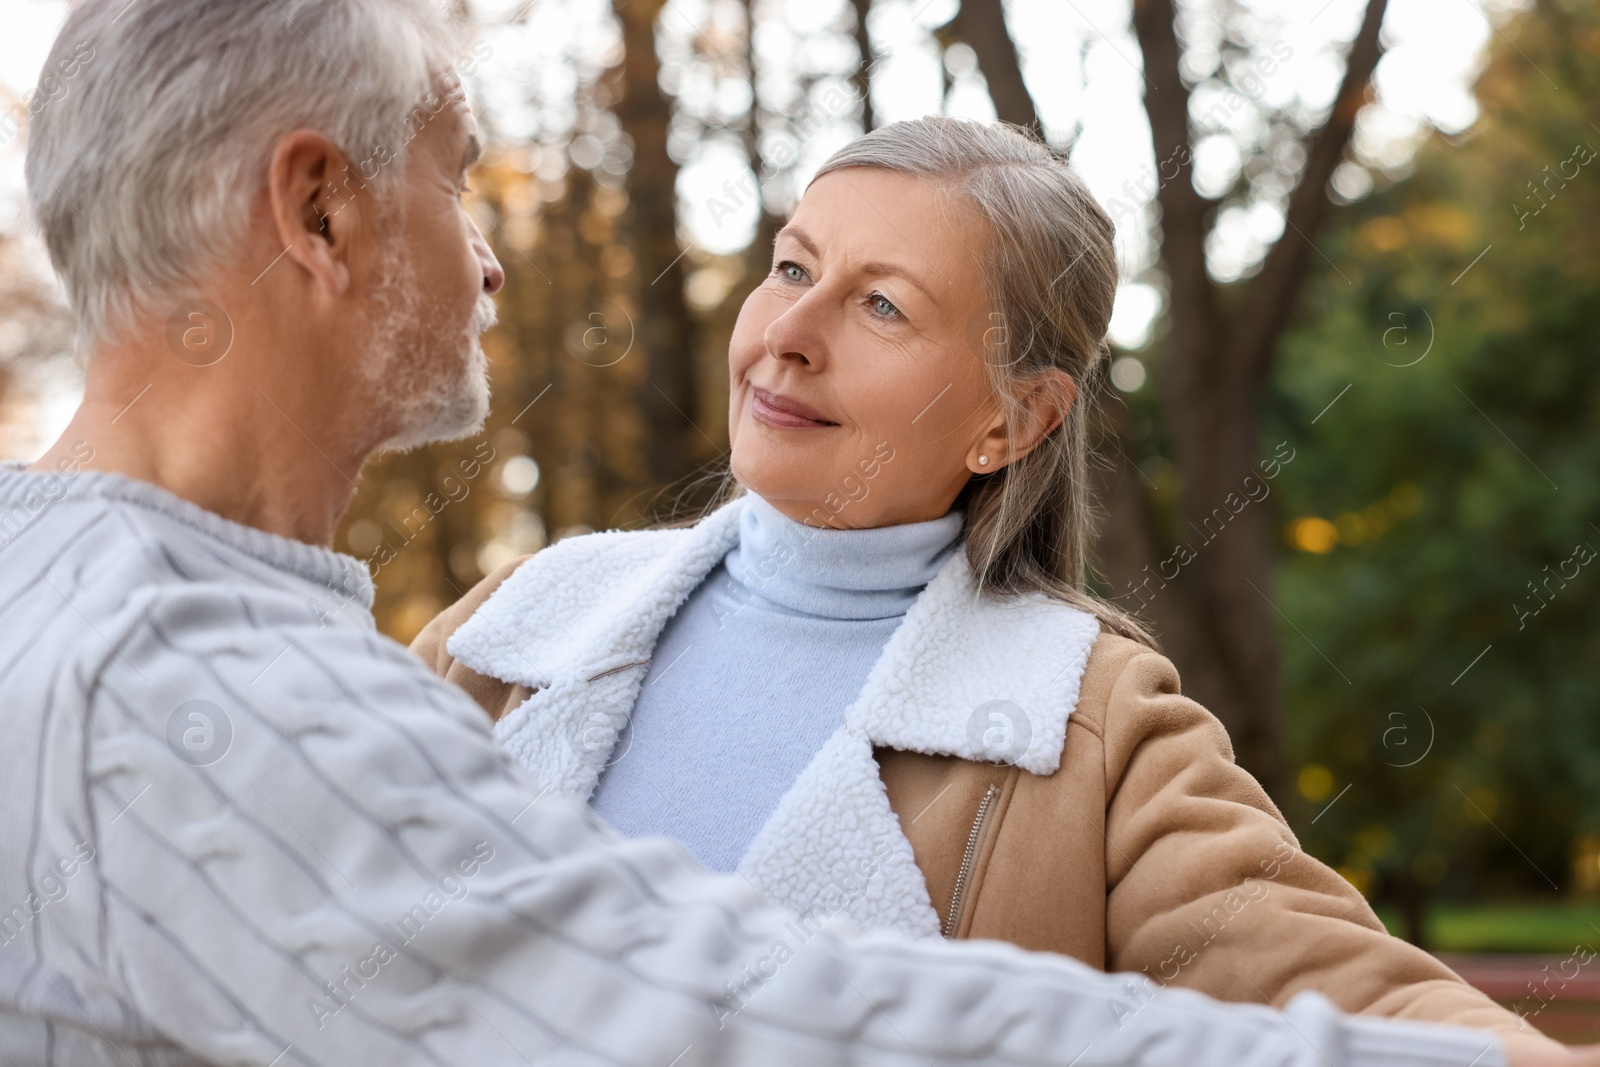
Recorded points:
1360,245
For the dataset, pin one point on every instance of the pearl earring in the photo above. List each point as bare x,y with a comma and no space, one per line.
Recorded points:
983,461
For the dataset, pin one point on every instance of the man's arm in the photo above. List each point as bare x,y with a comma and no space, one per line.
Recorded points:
358,876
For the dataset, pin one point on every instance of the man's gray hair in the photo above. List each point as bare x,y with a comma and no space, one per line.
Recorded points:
142,167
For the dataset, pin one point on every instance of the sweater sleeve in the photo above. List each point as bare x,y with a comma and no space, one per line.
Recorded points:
1209,889
310,852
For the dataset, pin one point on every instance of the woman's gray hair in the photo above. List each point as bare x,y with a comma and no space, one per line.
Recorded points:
1051,275
146,154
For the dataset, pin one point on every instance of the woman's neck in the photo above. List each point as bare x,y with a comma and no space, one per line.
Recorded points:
839,574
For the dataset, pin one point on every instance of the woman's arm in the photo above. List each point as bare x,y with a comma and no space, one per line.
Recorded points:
1208,888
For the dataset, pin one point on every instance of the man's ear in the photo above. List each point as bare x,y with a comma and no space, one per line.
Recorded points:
313,210
1046,399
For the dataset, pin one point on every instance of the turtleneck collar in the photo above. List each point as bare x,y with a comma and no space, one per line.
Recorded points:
837,574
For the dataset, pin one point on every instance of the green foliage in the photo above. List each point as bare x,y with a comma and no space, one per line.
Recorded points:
1446,665
1553,929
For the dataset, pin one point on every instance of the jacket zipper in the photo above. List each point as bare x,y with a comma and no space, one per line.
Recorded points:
968,858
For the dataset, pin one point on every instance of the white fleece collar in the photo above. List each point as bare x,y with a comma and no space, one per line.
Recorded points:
591,603
963,675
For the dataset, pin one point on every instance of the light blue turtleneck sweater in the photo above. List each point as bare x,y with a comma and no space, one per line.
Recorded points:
754,672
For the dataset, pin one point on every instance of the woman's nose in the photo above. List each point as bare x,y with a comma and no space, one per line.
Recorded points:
797,336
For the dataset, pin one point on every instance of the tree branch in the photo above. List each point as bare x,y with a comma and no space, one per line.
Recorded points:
1269,298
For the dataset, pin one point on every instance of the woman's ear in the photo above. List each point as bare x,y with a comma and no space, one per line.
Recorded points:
312,219
1045,400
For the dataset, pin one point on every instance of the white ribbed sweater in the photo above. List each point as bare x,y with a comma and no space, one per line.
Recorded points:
239,826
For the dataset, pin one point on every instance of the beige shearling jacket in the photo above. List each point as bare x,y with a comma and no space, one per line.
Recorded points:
1008,772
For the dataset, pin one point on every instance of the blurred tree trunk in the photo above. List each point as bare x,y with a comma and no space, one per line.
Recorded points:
1411,897
759,255
38,332
863,75
981,24
663,327
1215,619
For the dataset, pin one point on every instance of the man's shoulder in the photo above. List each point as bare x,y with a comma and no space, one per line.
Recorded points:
153,631
95,580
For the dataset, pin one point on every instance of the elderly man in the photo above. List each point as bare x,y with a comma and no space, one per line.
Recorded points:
242,827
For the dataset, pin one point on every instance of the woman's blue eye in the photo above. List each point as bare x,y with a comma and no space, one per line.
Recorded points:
881,305
793,272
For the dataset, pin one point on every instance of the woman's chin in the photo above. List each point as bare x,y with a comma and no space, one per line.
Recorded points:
775,489
775,482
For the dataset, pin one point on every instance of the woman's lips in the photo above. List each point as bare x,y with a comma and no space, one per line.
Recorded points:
786,412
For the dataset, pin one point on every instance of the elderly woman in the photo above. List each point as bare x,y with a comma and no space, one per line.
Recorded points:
871,681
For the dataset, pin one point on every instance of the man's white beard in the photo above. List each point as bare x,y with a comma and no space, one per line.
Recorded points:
427,381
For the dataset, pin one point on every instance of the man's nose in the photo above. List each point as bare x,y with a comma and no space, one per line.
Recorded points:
494,275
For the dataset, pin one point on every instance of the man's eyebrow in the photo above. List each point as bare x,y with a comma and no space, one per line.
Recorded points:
801,238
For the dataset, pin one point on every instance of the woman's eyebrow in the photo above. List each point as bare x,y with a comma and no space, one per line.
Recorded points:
801,238
897,272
